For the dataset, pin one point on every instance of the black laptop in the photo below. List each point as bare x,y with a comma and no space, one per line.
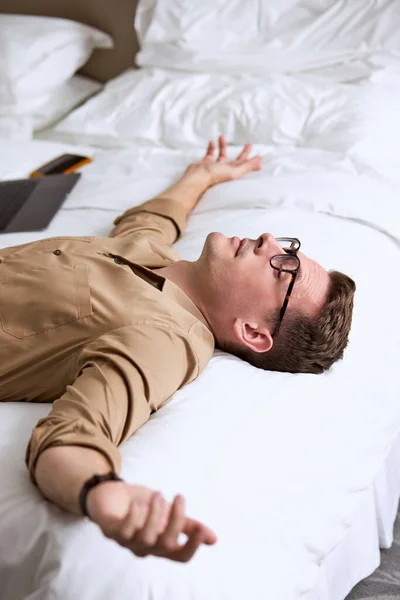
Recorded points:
30,204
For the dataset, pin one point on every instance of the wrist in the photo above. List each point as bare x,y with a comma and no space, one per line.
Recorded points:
197,176
109,502
91,485
189,188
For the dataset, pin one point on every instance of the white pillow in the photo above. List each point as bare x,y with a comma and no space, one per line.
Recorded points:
38,54
340,39
21,121
168,108
63,100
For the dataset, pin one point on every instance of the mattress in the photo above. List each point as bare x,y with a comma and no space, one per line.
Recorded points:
297,474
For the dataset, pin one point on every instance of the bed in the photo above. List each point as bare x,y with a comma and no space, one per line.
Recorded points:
297,474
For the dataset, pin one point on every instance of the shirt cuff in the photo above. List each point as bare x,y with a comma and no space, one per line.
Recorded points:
59,432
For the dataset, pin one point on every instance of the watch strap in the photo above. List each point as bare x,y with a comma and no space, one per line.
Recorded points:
91,483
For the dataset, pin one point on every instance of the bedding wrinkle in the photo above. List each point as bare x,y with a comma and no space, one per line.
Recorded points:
187,109
335,40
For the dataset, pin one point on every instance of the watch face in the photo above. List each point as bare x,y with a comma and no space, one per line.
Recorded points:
61,164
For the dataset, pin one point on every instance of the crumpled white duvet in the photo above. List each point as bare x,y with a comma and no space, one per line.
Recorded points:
181,110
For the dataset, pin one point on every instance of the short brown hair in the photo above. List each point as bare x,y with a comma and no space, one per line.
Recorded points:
309,344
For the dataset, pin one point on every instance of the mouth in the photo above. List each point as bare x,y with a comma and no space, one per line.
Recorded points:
240,245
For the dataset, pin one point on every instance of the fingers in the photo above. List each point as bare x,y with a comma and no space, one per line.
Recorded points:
165,518
192,526
148,541
197,534
129,525
153,527
185,552
141,521
244,154
176,523
149,534
242,157
254,164
222,149
209,155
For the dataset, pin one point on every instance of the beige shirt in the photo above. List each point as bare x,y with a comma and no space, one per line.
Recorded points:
86,324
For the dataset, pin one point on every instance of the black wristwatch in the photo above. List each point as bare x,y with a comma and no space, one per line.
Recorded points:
92,482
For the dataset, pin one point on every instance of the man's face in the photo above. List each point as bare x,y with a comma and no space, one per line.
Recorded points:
240,282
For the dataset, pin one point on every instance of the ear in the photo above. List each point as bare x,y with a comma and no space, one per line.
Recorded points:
256,336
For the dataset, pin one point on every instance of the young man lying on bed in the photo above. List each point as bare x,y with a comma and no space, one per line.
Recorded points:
111,353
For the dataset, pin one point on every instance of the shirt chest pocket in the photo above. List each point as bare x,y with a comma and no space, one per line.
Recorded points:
41,299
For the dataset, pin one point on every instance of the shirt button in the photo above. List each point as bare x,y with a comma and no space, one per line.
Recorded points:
118,260
57,252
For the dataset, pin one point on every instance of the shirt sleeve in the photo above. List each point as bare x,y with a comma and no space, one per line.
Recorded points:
161,219
121,378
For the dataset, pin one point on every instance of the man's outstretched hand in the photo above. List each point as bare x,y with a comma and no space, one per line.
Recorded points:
209,171
219,170
142,521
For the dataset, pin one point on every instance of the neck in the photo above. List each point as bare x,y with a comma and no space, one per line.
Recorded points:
186,276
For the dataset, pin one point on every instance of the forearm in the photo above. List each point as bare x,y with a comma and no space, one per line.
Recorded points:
188,190
199,176
61,472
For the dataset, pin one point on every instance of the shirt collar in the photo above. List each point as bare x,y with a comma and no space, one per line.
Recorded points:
175,292
166,286
170,289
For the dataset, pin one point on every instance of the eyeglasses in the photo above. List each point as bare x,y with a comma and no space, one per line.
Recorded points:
286,263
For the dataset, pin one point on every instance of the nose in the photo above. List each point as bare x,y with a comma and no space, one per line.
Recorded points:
268,244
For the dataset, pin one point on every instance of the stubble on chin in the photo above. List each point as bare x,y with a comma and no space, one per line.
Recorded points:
212,245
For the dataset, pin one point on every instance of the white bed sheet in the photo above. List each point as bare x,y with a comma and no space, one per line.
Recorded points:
297,474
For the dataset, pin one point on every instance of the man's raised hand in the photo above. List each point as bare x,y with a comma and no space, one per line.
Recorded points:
219,169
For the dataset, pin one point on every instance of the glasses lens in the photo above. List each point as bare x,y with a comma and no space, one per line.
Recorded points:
288,243
287,262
